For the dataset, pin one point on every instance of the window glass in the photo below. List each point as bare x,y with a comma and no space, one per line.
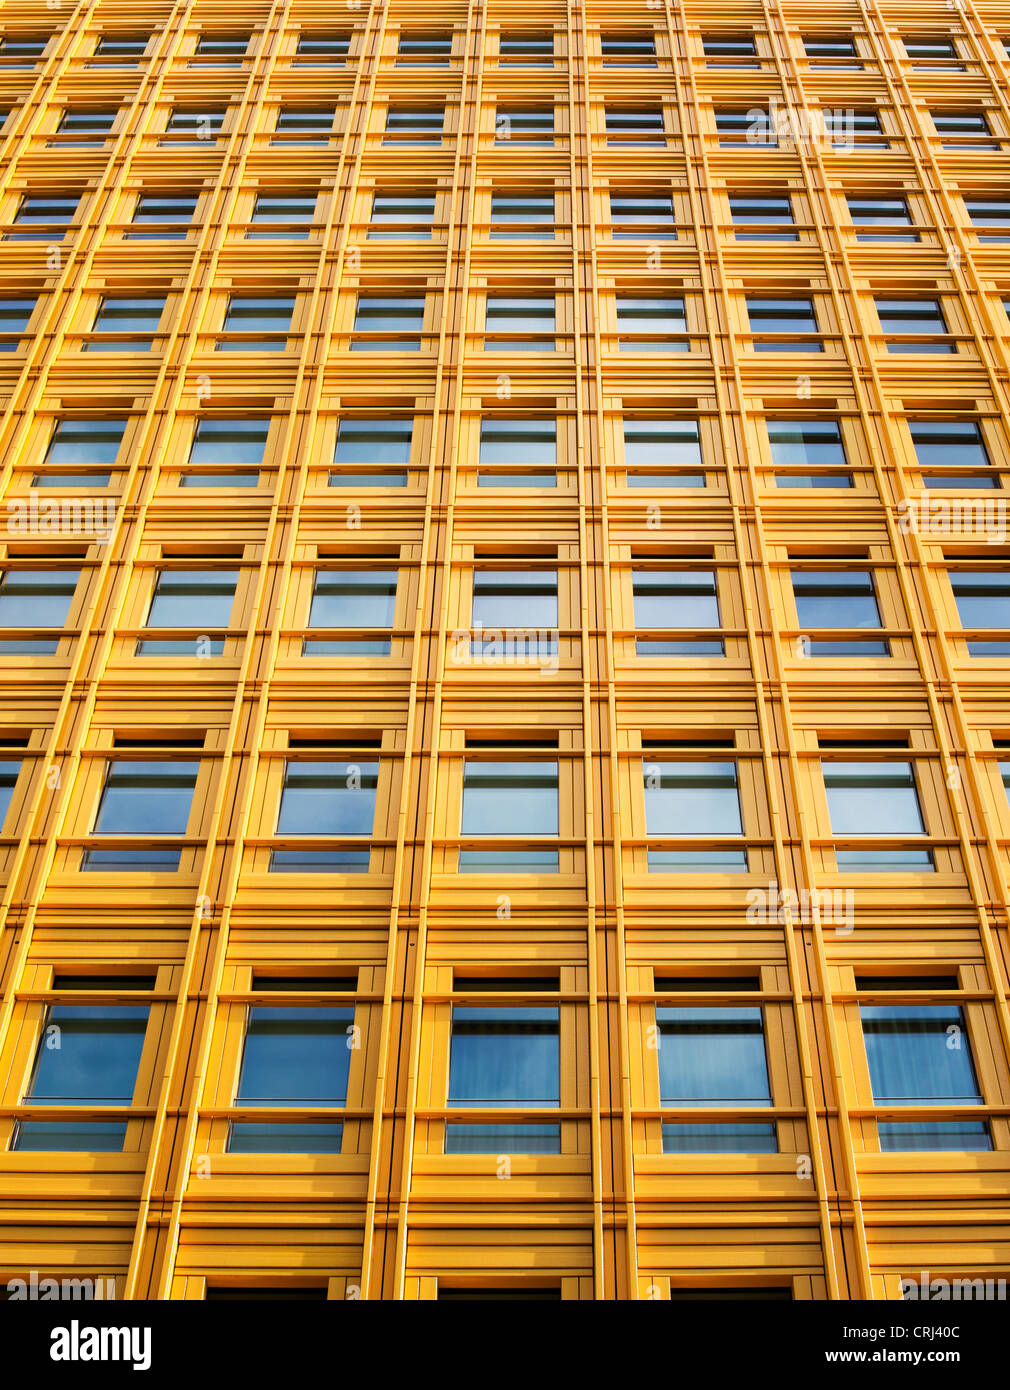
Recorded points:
838,599
352,599
676,599
509,799
522,215
35,599
123,321
253,319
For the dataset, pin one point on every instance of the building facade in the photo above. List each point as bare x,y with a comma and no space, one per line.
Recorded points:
504,648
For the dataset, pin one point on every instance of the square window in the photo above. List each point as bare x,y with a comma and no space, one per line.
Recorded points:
506,1055
401,217
838,599
35,598
875,800
388,322
122,321
517,453
363,600
14,317
509,800
201,600
689,800
519,324
522,216
252,320
676,599
772,319
524,126
331,799
983,601
139,800
763,213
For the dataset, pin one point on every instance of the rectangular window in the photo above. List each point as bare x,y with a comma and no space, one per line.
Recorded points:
651,325
714,1055
850,129
326,800
424,49
222,45
95,1064
83,445
125,50
533,126
22,52
517,453
983,601
527,50
764,216
361,601
522,216
142,802
811,450
35,599
842,599
870,217
912,1062
875,801
635,126
945,444
293,1057
123,323
9,773
14,317
384,324
194,126
663,453
43,219
401,217
936,54
372,453
963,130
745,128
519,325
323,49
251,320
990,217
297,125
509,801
642,217
199,600
730,51
226,453
913,318
669,601
519,609
84,122
634,49
283,215
415,125
772,320
693,801
510,1056
165,212
831,53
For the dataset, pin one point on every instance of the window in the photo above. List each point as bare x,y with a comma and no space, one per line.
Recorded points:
387,322
163,211
14,316
831,53
122,322
527,50
81,449
515,613
401,216
222,45
517,453
198,600
731,51
499,1294
96,1064
522,216
642,216
751,127
990,217
531,126
964,130
944,444
251,319
676,601
293,1056
195,125
509,801
838,599
332,800
304,126
320,49
714,1054
763,214
773,320
875,801
932,54
43,219
226,452
125,50
267,1292
87,121
912,1061
635,126
799,445
519,324
418,125
283,215
983,601
352,600
695,802
651,324
35,599
848,129
663,453
141,803
506,1055
9,773
427,49
634,49
368,453
913,318
23,51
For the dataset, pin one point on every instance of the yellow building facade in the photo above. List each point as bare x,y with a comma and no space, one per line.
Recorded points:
504,648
